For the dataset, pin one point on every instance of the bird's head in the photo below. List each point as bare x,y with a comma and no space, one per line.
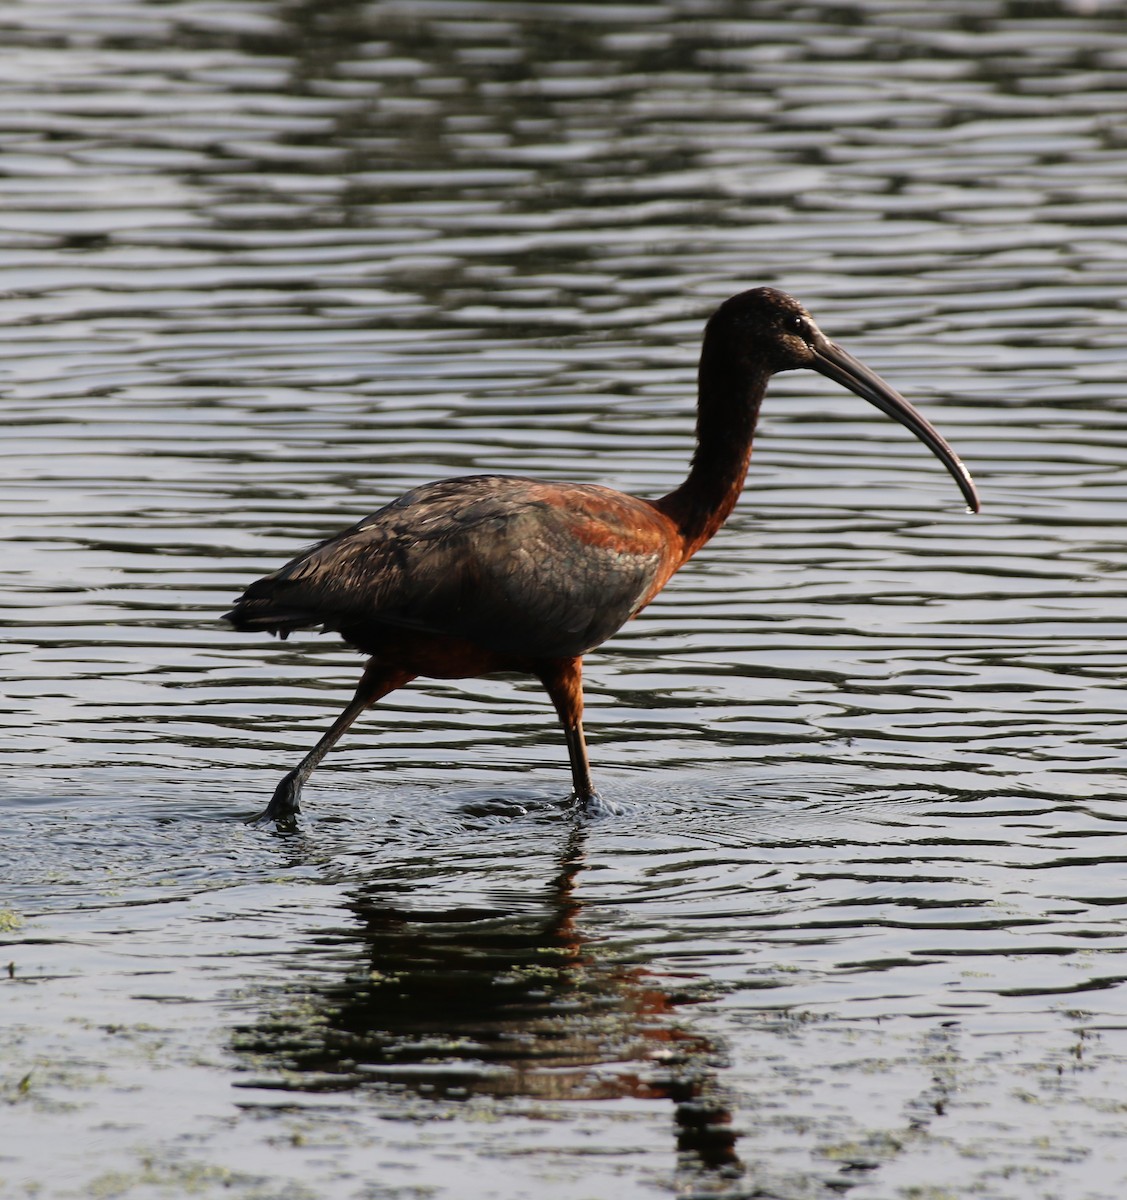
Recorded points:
768,328
764,331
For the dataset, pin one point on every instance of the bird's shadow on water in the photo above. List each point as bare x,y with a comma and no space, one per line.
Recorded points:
486,965
476,976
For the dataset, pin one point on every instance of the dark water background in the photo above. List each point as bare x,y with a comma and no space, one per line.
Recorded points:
862,927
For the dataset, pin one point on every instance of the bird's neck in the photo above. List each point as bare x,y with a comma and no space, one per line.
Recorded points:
727,413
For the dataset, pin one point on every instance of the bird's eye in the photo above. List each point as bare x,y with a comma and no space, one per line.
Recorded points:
798,325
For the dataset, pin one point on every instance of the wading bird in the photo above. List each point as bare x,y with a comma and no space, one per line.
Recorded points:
495,573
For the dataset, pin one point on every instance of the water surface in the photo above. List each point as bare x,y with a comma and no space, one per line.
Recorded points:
857,929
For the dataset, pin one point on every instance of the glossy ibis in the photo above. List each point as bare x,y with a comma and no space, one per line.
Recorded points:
495,573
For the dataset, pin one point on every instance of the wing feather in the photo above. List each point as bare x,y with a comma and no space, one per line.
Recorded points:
516,566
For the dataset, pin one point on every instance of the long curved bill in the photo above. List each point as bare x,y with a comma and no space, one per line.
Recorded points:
840,366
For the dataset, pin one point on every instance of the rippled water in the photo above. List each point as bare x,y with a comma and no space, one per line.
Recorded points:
862,925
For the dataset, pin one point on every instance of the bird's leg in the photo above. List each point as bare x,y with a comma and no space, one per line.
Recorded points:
580,766
563,681
376,682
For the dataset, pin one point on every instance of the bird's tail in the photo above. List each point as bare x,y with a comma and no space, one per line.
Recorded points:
258,611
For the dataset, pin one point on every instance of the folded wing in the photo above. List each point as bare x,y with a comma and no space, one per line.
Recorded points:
517,566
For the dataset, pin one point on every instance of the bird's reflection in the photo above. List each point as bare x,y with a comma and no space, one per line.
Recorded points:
501,1002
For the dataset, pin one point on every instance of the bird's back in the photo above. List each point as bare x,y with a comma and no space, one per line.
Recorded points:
516,566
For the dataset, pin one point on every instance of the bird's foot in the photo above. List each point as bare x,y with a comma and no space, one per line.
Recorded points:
283,807
591,804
